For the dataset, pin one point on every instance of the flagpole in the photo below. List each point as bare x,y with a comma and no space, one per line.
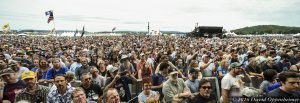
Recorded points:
148,28
54,24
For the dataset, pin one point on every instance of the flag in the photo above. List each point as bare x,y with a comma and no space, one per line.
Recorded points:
76,32
6,28
51,17
82,32
114,29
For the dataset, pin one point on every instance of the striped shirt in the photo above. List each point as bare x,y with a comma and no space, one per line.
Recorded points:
39,96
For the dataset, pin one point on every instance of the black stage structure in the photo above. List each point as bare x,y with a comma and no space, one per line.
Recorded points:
207,32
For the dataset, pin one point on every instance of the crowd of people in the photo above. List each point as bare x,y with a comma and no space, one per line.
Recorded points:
171,69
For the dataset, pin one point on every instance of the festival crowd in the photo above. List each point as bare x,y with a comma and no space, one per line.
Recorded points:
170,69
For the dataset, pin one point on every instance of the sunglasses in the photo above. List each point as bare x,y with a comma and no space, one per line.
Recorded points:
206,87
87,79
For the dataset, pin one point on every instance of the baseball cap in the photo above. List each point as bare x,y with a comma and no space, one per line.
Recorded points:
28,74
174,72
235,64
11,63
124,57
270,59
193,70
205,55
6,71
113,69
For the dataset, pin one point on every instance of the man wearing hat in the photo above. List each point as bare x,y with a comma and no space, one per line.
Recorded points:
33,92
120,81
14,65
207,66
13,85
270,64
126,65
231,83
193,81
174,89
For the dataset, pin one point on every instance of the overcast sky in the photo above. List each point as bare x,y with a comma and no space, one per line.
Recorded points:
166,15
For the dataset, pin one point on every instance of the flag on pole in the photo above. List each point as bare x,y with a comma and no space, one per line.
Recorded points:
51,17
82,32
6,28
113,29
76,32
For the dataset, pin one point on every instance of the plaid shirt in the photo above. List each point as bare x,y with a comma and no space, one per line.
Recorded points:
39,96
55,97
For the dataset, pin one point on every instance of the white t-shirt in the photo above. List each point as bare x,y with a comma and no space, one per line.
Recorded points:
143,98
231,83
207,72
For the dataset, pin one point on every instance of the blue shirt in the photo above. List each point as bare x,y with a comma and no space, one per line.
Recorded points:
34,69
193,85
158,79
51,73
224,71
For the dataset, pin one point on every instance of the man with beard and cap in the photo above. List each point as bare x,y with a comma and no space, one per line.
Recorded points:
83,69
193,81
62,93
205,93
174,89
34,93
126,65
97,78
13,85
231,83
78,96
14,65
207,66
92,91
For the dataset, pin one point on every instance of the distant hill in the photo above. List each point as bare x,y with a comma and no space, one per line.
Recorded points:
269,29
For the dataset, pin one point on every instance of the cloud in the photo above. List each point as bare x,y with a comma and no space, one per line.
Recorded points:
176,15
